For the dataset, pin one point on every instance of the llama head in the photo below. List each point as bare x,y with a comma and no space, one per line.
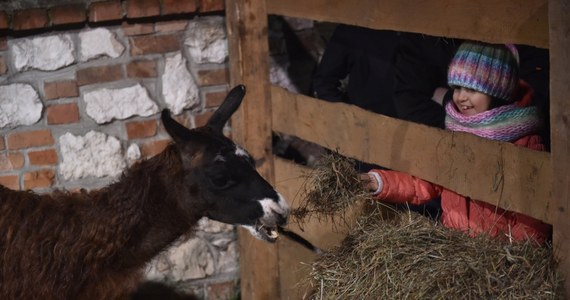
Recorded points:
222,176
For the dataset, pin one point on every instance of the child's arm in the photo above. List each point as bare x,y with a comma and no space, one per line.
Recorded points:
399,188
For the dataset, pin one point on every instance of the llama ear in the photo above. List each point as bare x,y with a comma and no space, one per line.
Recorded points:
176,131
227,108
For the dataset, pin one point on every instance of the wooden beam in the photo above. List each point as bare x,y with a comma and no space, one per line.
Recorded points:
511,177
249,64
294,260
559,13
509,21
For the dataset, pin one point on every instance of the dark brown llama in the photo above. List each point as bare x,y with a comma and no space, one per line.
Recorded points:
94,245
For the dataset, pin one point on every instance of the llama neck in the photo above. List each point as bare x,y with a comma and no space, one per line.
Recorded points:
149,198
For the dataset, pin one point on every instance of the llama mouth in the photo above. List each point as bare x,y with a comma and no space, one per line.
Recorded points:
267,233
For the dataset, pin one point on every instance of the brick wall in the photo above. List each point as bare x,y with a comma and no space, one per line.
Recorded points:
151,31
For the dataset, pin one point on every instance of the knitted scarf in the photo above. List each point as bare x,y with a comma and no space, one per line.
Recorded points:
506,123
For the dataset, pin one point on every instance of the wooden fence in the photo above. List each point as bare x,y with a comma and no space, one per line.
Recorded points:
534,183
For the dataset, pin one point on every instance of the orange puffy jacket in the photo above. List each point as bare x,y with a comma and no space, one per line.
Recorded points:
463,213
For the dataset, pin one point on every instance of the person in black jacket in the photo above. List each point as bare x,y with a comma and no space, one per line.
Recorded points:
365,59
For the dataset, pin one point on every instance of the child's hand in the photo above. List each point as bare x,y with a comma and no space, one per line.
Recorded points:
369,181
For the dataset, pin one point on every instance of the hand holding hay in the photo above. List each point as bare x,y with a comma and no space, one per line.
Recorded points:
330,188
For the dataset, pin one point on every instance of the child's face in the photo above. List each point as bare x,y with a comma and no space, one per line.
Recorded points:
470,102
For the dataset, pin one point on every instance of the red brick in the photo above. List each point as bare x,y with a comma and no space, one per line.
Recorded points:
30,19
11,161
68,14
3,68
214,99
39,179
178,6
27,139
154,44
10,181
62,114
137,29
142,69
171,26
141,129
106,11
221,290
60,89
42,157
202,119
102,74
213,77
153,148
143,8
4,21
2,144
211,5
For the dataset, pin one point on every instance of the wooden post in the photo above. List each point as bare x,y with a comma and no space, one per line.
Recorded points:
249,65
558,15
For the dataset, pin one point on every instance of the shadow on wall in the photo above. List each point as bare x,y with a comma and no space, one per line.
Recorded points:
152,290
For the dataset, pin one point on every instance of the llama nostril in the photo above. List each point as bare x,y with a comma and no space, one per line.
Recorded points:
281,220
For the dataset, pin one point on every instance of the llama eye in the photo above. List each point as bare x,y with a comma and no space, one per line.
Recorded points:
221,181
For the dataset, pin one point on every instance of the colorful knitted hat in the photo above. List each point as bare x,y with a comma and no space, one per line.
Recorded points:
486,68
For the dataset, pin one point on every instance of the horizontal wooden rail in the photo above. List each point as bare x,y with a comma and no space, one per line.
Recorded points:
511,177
509,21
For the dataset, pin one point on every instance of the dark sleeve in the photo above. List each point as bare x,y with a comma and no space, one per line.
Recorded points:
332,69
419,70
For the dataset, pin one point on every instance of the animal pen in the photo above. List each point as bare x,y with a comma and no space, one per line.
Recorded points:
541,184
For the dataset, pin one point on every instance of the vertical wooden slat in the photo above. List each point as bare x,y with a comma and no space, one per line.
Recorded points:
559,14
249,65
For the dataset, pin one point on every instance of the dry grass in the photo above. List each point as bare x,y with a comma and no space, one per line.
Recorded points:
411,257
408,256
330,188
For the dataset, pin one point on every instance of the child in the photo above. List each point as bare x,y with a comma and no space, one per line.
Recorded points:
490,101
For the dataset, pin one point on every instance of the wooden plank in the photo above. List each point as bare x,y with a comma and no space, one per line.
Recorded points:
512,177
559,12
295,260
512,21
249,65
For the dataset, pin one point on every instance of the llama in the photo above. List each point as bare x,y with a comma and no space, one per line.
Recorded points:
94,245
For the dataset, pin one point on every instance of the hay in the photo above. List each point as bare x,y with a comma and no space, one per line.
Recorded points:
411,257
330,188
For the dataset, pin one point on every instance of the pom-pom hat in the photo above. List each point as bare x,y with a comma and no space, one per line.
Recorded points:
487,68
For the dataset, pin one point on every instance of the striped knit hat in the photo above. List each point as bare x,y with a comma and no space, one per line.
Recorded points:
487,68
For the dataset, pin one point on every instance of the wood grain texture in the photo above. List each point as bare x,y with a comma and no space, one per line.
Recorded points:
511,177
559,13
249,65
511,21
295,260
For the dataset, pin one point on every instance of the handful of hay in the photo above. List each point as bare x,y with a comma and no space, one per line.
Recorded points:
411,257
330,188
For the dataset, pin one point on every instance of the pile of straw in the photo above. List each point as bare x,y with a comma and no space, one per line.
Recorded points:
411,257
329,189
408,256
